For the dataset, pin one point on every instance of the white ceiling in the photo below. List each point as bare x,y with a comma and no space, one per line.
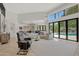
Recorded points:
30,7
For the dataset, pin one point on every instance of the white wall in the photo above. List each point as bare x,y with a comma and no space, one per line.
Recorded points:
11,23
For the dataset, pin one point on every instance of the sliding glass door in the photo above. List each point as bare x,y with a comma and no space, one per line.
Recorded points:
63,29
72,30
66,29
56,29
78,31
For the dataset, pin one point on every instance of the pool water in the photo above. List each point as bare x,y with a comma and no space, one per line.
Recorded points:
69,34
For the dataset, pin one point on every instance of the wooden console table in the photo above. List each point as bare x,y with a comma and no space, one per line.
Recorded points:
4,38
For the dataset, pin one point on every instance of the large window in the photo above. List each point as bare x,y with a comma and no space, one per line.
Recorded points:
63,29
53,17
56,29
59,14
41,27
45,27
72,30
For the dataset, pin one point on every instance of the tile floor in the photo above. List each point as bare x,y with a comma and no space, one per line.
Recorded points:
54,47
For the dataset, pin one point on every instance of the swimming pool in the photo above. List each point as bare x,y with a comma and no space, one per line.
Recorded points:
69,34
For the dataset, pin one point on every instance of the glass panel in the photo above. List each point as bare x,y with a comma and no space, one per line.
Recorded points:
56,29
39,27
57,15
51,17
63,29
44,27
61,13
71,10
72,30
51,27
